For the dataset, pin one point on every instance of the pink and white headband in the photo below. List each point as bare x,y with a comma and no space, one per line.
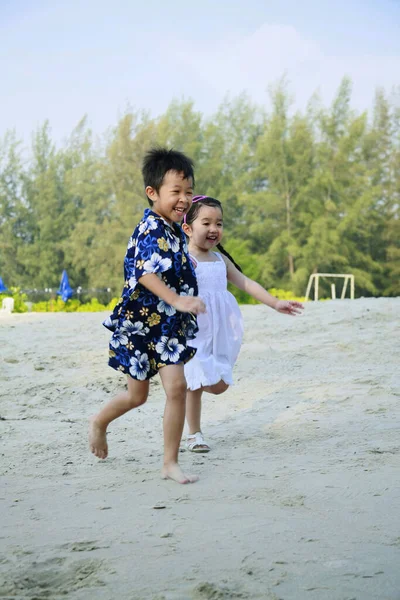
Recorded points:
195,199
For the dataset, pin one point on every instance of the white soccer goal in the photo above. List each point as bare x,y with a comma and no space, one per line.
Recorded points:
314,279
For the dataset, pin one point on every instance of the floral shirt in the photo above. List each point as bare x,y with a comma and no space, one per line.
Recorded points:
148,333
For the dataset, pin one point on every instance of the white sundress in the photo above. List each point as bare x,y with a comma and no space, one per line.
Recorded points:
220,332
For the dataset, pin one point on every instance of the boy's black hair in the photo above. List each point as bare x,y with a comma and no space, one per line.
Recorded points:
197,203
158,161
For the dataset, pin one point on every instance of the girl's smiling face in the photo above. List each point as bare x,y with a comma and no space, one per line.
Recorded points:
206,230
174,198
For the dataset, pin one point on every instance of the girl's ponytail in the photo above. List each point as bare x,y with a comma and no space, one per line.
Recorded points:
225,253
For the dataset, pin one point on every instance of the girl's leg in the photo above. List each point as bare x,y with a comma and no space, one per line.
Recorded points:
193,403
136,395
216,388
174,383
193,410
193,415
195,441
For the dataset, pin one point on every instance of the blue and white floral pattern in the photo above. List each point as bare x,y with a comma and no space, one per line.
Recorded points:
137,328
167,308
119,339
140,366
157,264
169,349
147,225
186,290
173,241
148,333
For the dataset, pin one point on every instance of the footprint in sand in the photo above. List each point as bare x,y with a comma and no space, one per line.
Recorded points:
87,546
43,580
210,591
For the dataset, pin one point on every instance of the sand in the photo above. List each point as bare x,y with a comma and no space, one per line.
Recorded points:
299,498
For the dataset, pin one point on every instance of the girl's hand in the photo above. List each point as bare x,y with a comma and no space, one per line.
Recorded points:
190,304
289,307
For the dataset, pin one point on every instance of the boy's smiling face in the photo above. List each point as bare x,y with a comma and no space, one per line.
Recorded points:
174,198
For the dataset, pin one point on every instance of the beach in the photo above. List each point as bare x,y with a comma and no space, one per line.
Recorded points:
298,499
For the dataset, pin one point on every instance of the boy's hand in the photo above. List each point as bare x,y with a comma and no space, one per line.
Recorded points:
190,304
289,307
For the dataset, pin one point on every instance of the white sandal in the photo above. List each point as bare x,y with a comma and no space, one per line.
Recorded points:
195,443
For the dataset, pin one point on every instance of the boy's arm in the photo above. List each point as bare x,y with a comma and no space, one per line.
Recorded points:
256,290
156,286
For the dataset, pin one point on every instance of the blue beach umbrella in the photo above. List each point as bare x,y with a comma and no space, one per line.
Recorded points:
65,290
2,286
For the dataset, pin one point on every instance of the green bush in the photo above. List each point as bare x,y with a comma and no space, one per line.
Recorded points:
285,295
56,305
73,305
278,293
93,306
19,299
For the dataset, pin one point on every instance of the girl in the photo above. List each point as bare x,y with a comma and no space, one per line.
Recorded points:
154,317
220,327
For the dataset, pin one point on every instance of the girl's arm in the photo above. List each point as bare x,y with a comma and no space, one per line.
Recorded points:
155,285
254,289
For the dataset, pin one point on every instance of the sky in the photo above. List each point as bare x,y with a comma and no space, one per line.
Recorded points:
62,60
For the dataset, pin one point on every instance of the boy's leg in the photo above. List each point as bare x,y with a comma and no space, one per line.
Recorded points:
136,395
174,383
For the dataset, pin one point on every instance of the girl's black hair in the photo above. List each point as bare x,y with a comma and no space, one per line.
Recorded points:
197,203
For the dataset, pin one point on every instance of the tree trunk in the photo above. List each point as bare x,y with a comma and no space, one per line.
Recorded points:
289,229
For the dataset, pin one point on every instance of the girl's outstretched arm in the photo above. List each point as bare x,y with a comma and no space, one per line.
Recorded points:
254,289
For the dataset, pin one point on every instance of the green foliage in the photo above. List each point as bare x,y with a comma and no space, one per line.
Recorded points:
278,293
95,306
250,264
72,305
286,295
20,299
302,193
56,305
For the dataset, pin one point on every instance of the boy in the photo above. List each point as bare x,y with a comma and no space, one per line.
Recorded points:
155,316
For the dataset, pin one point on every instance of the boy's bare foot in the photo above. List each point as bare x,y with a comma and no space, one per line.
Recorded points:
174,472
97,439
